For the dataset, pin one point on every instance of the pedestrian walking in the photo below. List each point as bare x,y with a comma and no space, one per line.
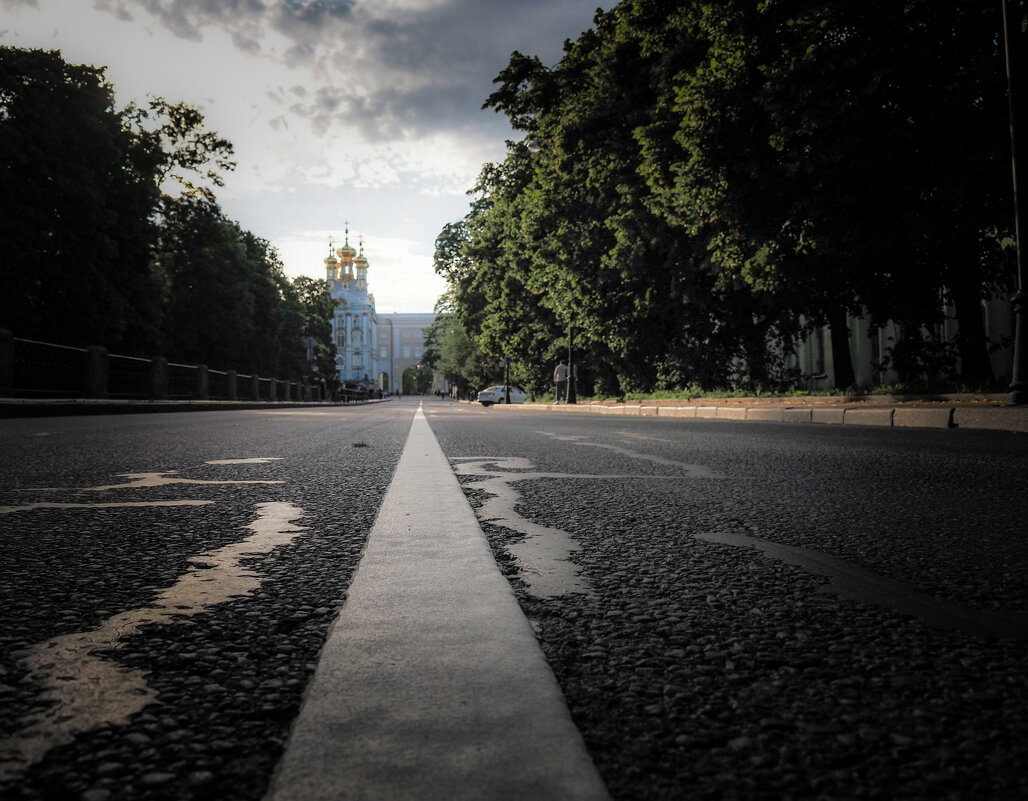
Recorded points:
560,378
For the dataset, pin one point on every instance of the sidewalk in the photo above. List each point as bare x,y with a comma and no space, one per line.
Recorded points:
967,412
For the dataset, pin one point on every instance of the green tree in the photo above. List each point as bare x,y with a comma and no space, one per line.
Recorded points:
84,212
417,380
811,148
277,346
317,305
228,303
566,217
702,184
451,353
75,222
187,158
316,308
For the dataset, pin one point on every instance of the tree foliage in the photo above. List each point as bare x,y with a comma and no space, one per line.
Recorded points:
112,234
451,354
700,184
228,301
184,155
78,191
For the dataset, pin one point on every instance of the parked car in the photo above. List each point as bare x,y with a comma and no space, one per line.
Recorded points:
491,395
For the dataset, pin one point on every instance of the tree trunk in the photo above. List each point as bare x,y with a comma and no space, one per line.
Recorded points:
975,366
841,358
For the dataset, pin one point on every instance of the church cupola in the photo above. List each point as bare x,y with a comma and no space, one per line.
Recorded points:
346,254
331,265
361,263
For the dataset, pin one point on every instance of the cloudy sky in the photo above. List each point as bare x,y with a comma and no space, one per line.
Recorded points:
360,110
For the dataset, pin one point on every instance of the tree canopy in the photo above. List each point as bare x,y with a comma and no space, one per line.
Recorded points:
700,184
112,233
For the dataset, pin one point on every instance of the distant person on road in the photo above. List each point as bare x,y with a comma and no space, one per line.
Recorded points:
560,378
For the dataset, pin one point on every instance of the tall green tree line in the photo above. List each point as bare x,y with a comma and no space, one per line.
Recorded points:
112,233
700,184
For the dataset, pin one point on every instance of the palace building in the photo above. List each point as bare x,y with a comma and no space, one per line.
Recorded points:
372,350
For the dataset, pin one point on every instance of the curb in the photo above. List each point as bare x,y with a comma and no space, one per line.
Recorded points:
994,418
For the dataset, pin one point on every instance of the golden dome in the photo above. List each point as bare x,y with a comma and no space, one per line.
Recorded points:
346,252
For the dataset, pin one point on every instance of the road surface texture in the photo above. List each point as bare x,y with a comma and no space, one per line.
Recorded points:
732,610
221,684
769,611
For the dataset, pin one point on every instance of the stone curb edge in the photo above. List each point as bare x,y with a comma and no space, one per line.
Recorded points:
1003,418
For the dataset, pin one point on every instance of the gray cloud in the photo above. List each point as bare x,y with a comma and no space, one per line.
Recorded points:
303,19
413,72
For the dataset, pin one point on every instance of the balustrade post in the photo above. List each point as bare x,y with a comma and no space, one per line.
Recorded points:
202,390
96,372
6,363
159,378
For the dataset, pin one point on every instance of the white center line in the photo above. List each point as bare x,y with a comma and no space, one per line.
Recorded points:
431,684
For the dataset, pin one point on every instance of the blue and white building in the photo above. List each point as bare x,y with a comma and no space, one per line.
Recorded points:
372,350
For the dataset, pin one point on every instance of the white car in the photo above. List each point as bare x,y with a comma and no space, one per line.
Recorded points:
491,395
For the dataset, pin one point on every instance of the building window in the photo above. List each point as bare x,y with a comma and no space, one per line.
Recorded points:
383,352
406,351
417,352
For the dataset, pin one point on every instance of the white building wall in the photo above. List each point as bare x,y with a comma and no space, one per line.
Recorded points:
868,347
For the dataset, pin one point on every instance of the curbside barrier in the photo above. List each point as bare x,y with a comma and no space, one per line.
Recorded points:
1010,418
923,418
868,417
676,411
829,416
798,415
1002,418
767,414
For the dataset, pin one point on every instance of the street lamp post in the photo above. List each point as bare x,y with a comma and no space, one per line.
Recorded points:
572,390
506,380
1014,46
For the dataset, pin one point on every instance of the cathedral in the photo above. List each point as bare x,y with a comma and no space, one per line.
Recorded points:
372,350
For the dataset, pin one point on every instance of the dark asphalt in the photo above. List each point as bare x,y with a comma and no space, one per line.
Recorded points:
703,670
694,669
229,681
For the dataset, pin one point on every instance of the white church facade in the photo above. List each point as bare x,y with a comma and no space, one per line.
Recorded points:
372,350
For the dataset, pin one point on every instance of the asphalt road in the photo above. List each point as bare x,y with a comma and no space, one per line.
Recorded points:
222,683
750,610
771,611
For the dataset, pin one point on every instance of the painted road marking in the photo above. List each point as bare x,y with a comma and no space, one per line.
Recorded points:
694,470
854,583
544,556
431,684
85,690
164,479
